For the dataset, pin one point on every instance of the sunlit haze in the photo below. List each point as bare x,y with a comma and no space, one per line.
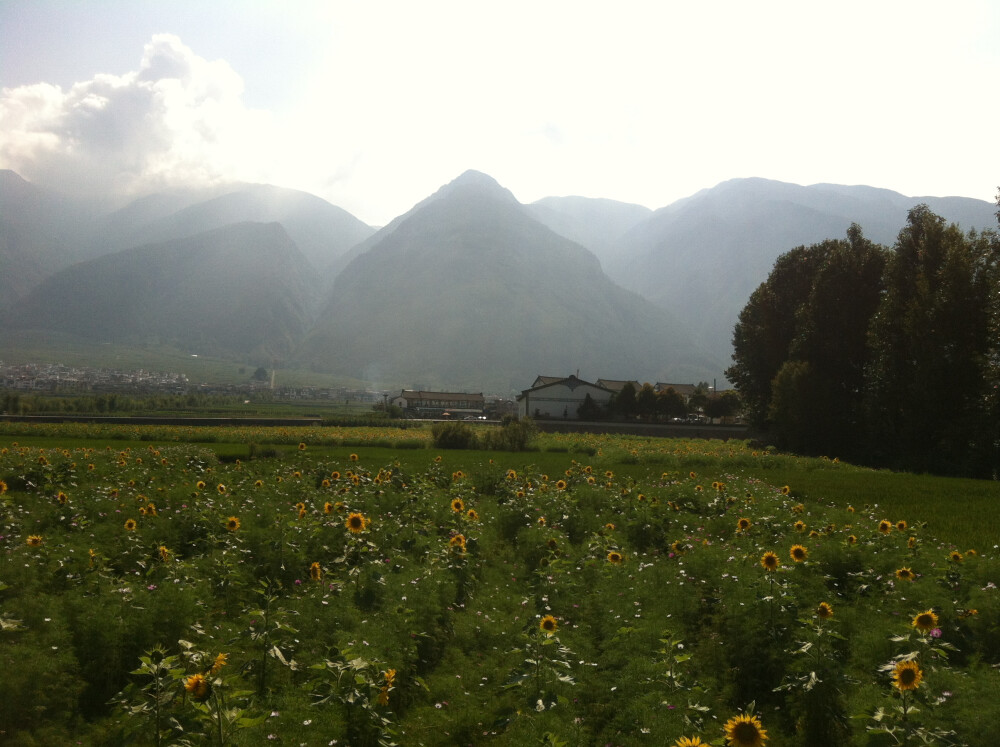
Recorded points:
374,105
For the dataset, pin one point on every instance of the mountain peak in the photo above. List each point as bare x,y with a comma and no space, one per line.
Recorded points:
474,182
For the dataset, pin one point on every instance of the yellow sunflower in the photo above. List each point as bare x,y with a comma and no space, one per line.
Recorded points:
220,661
743,524
906,675
901,525
800,526
472,515
34,540
885,526
548,625
798,553
198,686
690,742
905,574
561,485
356,523
315,572
851,539
615,557
164,553
770,561
925,621
232,523
785,490
745,731
353,457
956,556
458,505
824,611
130,525
221,488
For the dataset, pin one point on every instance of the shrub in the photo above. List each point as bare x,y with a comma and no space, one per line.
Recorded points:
454,436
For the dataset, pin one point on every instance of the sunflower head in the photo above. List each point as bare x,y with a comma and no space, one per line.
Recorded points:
901,525
198,686
548,625
800,526
906,675
824,611
743,524
905,574
925,621
34,540
472,515
798,553
745,731
316,572
690,742
615,557
458,505
356,523
220,661
232,523
770,561
130,525
956,557
885,526
560,485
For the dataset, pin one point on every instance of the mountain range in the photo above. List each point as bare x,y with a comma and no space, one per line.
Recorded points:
470,289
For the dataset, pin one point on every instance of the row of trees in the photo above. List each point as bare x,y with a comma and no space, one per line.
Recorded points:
661,406
889,357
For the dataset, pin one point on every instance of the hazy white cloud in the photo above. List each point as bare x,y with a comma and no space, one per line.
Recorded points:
178,119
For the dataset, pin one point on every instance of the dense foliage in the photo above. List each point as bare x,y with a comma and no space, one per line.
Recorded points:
888,357
160,595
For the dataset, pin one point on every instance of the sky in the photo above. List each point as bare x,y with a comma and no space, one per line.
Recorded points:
374,105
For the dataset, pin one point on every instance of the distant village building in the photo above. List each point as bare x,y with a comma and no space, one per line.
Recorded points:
559,397
439,403
616,385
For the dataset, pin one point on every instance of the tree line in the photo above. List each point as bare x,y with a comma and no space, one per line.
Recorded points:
645,403
884,356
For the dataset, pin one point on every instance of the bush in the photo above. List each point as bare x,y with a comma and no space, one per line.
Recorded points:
513,435
454,436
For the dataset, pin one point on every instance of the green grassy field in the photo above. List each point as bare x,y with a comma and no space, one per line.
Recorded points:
359,586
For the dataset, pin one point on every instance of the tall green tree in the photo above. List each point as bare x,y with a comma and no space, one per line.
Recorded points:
832,338
929,345
767,327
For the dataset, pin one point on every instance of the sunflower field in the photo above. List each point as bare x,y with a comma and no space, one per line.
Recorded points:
602,591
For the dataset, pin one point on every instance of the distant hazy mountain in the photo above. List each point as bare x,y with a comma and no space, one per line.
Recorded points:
322,231
242,289
700,258
594,223
469,290
37,227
